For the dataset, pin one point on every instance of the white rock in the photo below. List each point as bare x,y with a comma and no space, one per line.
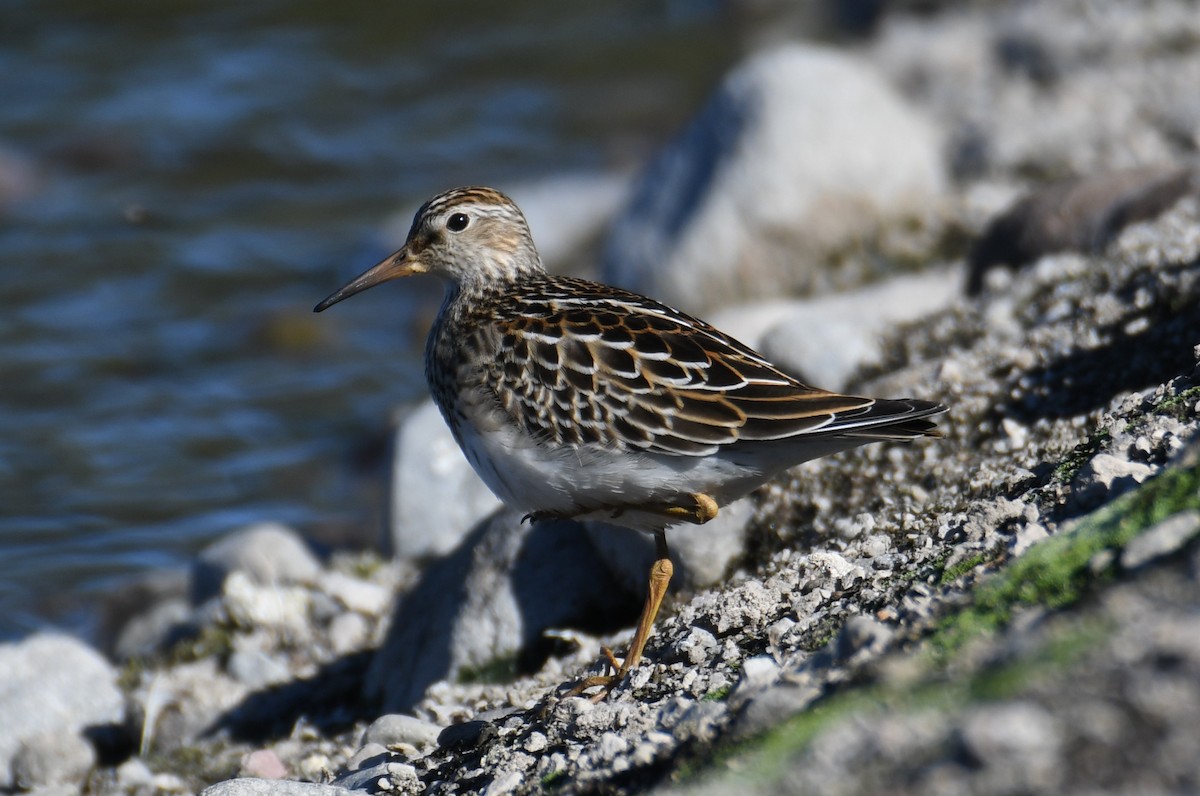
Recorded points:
393,728
504,782
281,608
1108,474
826,339
267,554
52,758
134,773
348,633
1027,536
250,786
436,496
801,147
51,685
255,669
612,745
356,594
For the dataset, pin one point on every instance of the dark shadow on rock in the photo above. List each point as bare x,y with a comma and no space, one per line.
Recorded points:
331,700
492,599
1088,379
1082,215
559,579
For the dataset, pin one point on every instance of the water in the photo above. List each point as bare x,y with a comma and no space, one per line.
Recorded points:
198,175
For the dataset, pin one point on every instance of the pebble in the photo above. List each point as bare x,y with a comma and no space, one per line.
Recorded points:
465,735
356,594
504,782
1105,474
267,554
393,729
264,764
52,758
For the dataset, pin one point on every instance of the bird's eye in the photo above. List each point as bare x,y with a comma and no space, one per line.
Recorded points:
457,222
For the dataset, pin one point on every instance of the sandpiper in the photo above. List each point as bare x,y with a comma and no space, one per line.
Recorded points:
576,399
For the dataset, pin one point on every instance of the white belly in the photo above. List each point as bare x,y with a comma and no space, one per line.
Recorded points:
592,481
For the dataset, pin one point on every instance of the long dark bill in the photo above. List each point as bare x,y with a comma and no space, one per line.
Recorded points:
396,266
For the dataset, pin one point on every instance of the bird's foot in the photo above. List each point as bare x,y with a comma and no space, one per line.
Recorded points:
696,508
605,682
539,516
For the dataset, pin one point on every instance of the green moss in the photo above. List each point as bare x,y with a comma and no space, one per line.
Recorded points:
1080,455
1180,406
764,759
554,780
498,670
716,695
130,674
1055,573
213,641
952,573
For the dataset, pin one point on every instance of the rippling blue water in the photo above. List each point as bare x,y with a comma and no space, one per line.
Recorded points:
191,177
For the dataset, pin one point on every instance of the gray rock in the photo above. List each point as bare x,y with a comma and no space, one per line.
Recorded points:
154,629
52,686
771,707
1018,743
367,756
256,669
859,636
1108,475
366,778
466,734
395,728
146,614
825,340
436,497
800,149
701,553
52,758
269,553
1083,214
491,599
1162,539
251,786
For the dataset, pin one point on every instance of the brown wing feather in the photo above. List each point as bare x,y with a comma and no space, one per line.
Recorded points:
581,363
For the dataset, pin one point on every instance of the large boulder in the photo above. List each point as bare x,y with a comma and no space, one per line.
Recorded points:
800,150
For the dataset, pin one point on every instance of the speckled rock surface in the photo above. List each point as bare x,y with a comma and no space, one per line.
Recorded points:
825,661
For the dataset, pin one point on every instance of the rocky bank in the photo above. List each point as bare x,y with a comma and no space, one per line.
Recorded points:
1014,608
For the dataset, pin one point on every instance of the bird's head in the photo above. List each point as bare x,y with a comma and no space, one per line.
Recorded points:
468,236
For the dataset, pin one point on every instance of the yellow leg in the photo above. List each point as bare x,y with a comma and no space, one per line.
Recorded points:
660,577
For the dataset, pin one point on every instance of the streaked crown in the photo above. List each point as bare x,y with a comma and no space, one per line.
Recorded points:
473,236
